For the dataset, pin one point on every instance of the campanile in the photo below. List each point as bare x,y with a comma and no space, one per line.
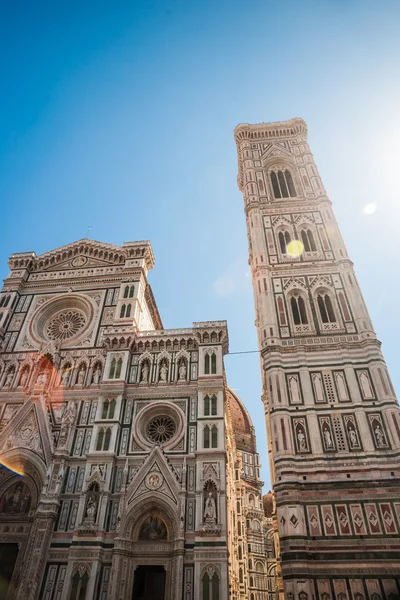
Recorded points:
331,413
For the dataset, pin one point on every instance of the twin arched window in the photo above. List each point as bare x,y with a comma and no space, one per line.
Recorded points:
210,406
103,439
282,184
129,291
210,434
210,362
307,237
125,311
299,312
4,301
325,307
210,585
284,241
115,368
108,409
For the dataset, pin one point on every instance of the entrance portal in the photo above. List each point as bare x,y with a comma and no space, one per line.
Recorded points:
149,583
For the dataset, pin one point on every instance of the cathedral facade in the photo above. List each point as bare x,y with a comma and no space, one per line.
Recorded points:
129,470
331,412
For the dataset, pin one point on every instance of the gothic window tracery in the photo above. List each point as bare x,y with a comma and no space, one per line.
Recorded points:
103,439
210,585
284,241
299,312
115,368
282,184
79,586
325,307
307,237
161,429
210,364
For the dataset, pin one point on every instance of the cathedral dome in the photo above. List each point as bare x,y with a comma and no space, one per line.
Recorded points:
242,424
268,504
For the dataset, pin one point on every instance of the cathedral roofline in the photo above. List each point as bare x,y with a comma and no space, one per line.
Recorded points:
270,130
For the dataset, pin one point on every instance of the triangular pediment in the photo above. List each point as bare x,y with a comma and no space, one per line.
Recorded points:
28,430
155,477
81,254
277,151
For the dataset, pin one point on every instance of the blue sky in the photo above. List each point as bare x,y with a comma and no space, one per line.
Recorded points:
120,115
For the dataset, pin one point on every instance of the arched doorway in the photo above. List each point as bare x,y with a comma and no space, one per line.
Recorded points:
148,556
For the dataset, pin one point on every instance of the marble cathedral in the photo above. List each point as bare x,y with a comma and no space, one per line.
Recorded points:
332,415
129,470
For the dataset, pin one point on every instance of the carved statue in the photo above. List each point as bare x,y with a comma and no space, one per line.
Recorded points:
145,372
302,440
42,378
97,375
210,512
182,371
81,376
65,377
353,437
328,438
24,378
380,438
91,509
9,379
163,371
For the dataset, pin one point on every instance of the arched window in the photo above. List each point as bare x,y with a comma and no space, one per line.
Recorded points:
210,587
281,311
206,437
122,313
100,438
282,184
213,363
213,405
112,368
298,310
207,364
107,439
111,409
239,528
126,291
214,437
344,307
118,369
104,414
131,291
79,585
207,406
7,300
251,582
240,575
326,309
307,238
128,311
238,507
284,241
240,552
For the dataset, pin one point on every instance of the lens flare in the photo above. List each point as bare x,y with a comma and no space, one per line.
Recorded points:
369,208
295,248
17,470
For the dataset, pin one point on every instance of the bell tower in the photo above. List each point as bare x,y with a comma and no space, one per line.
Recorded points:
331,413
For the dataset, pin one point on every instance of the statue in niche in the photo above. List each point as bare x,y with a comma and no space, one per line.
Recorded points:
301,439
97,375
380,437
352,437
163,371
68,420
145,372
92,503
210,509
182,371
24,378
91,509
328,438
81,375
42,378
9,379
65,376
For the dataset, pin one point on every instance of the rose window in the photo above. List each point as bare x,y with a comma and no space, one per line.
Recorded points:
161,429
65,325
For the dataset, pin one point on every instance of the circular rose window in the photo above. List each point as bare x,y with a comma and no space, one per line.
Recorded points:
161,429
64,320
65,325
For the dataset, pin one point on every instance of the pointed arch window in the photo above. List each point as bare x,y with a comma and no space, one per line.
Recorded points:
326,308
281,311
282,184
79,585
118,368
307,237
207,364
122,313
213,405
131,291
213,364
210,587
111,410
214,436
104,414
112,368
207,406
128,311
107,439
100,439
284,241
126,291
206,437
299,312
